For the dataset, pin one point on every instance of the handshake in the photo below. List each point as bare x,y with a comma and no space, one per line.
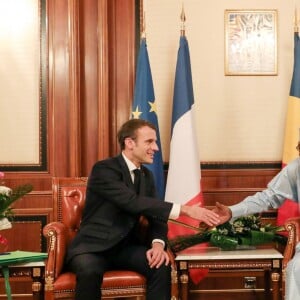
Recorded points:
216,216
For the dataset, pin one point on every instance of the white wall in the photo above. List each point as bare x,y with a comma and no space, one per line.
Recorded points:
239,118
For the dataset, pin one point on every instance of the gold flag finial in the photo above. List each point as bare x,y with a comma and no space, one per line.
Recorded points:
182,17
143,31
296,28
142,21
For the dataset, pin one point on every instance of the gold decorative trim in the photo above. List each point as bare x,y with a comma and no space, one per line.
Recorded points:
36,286
224,291
184,278
174,276
276,263
52,239
183,265
275,276
237,265
49,283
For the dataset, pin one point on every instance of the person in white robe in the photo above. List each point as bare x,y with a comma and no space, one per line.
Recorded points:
285,185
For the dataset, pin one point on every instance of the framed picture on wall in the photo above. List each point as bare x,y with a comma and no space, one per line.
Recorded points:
24,80
250,42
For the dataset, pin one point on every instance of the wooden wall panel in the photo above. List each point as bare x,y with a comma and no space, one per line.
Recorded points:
237,178
121,49
83,112
230,186
63,97
91,76
94,89
31,237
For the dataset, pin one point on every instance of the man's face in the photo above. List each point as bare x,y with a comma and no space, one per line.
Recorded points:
141,150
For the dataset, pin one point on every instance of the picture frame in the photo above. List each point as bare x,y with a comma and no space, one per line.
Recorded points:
25,87
250,42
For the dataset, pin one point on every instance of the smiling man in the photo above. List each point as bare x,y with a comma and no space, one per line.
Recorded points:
108,238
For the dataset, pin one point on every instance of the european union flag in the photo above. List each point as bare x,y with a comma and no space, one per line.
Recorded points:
144,107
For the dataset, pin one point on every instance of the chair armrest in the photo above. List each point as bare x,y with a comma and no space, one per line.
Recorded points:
56,234
174,276
292,226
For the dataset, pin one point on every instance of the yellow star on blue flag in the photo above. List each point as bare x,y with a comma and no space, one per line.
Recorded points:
136,113
144,107
152,107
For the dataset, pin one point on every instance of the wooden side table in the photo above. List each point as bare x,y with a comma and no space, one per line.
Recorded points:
36,271
17,263
267,261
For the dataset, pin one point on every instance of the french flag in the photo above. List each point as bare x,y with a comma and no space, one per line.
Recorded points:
184,175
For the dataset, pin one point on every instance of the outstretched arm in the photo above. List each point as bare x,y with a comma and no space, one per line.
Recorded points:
200,213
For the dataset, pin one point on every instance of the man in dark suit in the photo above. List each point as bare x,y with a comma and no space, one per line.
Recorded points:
108,238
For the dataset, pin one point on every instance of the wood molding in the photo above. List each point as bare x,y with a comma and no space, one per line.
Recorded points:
103,86
59,97
74,88
122,41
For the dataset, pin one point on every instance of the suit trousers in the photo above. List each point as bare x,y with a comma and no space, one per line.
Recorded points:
90,268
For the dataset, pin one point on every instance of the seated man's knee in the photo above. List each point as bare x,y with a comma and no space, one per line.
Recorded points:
86,266
164,272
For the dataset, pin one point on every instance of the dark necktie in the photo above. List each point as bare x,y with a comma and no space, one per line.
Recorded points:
137,180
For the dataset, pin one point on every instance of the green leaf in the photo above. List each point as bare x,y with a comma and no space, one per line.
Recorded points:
185,241
223,242
260,237
7,200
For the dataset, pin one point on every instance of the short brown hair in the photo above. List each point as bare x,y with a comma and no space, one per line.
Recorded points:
129,128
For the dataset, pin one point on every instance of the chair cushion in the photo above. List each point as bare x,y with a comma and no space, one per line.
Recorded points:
112,279
123,278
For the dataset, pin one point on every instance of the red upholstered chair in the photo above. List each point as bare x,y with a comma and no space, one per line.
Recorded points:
68,202
292,226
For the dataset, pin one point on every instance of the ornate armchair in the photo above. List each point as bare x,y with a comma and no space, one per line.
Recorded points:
68,202
292,226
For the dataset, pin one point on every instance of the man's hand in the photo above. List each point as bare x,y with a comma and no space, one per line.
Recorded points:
223,211
157,256
201,214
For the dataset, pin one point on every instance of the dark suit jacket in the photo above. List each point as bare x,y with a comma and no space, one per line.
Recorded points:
112,208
